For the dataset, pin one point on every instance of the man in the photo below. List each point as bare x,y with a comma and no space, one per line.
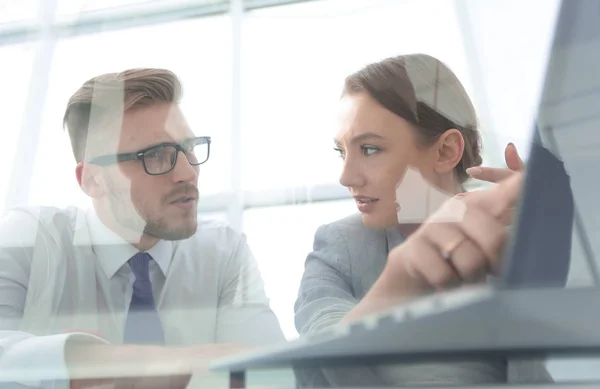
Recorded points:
137,268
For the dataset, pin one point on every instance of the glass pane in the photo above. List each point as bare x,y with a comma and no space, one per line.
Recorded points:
292,80
16,71
203,68
74,8
281,238
18,10
65,7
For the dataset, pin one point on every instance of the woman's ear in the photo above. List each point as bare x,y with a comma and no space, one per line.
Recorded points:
450,148
88,179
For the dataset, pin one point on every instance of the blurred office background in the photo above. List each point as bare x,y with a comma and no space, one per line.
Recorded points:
263,78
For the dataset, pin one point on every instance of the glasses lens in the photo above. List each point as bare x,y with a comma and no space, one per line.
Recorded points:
160,159
197,151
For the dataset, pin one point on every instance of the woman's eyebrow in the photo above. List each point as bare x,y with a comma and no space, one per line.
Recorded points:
362,137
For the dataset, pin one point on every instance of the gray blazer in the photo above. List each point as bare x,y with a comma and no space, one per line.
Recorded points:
346,260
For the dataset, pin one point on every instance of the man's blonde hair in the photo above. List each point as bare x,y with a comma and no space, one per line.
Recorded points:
107,97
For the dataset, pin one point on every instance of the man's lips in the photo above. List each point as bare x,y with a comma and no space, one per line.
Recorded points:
185,199
183,195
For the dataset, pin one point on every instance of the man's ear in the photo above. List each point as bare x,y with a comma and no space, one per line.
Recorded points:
88,179
450,147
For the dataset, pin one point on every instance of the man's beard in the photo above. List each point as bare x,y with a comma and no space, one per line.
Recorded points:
142,220
159,229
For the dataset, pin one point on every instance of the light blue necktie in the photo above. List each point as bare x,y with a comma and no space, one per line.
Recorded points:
142,325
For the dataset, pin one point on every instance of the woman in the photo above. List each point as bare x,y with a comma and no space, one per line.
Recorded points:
408,132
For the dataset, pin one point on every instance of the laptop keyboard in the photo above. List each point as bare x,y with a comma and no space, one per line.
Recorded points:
425,306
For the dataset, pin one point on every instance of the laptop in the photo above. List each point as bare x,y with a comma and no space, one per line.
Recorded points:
546,300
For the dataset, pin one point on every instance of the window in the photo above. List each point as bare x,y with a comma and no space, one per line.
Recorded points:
202,66
16,89
75,7
18,10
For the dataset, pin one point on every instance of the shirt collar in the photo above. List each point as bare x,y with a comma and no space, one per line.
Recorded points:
113,251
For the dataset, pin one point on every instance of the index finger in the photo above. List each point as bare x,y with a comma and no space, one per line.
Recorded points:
489,174
512,158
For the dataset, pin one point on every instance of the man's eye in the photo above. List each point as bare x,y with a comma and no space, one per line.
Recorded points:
370,150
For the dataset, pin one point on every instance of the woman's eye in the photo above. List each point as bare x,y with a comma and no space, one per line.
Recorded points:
370,150
340,152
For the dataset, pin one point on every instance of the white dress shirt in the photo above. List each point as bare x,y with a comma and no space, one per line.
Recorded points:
63,273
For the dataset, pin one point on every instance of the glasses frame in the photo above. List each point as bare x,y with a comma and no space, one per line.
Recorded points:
106,160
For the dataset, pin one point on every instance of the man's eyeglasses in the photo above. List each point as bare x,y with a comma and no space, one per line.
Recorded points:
162,158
